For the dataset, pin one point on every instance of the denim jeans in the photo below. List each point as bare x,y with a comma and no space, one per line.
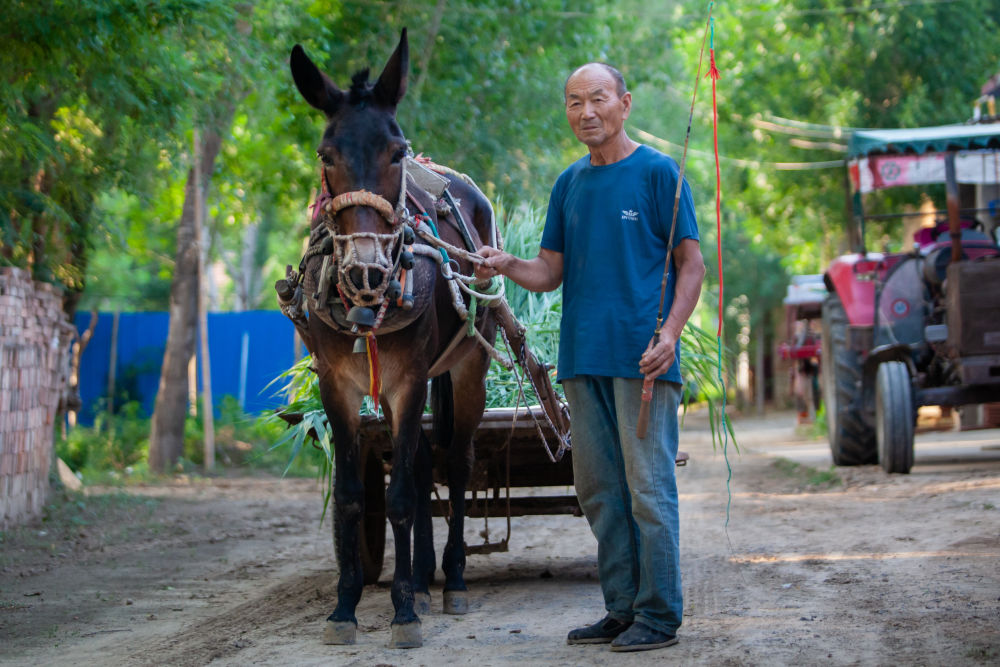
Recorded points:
628,491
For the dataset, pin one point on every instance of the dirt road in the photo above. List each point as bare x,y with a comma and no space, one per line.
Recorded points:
848,568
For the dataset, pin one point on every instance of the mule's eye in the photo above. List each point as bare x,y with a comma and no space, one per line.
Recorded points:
398,156
325,159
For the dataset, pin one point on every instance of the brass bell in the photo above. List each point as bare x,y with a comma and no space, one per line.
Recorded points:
359,345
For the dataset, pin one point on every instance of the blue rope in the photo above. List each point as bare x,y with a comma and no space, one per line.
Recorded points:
430,223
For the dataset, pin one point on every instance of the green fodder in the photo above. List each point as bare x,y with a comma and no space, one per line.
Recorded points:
539,312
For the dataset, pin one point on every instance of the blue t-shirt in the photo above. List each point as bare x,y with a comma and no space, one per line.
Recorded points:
611,224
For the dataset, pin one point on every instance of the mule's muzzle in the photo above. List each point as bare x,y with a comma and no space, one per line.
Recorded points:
365,265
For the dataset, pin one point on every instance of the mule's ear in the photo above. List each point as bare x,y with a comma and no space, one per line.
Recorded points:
391,84
316,87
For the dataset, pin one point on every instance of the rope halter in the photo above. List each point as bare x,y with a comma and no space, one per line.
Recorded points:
363,274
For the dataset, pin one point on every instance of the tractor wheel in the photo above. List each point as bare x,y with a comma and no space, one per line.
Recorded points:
894,417
373,524
852,436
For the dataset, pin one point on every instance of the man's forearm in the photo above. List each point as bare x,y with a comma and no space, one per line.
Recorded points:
531,274
541,274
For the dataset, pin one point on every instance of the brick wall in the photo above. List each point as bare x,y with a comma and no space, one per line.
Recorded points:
34,342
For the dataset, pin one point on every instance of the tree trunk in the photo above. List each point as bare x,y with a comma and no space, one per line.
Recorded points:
166,440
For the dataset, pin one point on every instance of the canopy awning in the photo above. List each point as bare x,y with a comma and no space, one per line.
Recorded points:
919,140
914,156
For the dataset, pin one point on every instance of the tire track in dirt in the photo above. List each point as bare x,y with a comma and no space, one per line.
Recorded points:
288,608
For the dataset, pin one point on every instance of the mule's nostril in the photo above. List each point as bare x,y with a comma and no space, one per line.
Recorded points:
374,278
358,277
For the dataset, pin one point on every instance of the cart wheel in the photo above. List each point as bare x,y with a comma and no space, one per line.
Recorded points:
373,525
894,417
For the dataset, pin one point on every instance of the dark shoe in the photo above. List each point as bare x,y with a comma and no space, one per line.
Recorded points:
601,632
641,637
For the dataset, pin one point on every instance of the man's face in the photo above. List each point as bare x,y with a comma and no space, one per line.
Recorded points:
595,112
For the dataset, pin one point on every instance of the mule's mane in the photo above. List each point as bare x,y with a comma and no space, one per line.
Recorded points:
361,88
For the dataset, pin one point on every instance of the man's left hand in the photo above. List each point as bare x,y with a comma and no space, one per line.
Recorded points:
658,358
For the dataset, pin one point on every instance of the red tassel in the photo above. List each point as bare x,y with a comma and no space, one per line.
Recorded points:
374,374
713,71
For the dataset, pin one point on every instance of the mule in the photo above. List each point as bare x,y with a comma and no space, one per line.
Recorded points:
353,291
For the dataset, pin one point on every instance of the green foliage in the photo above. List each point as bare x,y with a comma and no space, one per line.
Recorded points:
75,122
94,149
485,89
827,65
115,448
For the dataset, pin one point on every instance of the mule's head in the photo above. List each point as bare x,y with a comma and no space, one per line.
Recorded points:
362,152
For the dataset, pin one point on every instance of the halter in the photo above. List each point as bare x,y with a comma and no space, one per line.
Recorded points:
387,246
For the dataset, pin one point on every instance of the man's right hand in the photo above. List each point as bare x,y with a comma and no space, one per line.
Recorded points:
493,264
541,274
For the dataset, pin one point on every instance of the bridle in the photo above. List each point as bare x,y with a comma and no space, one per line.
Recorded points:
387,247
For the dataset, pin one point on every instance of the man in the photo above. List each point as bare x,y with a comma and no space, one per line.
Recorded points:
605,241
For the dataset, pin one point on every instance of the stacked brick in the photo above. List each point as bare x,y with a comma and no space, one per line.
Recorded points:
35,336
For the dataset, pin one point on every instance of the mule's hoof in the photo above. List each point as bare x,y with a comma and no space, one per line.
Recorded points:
340,632
422,603
406,635
456,602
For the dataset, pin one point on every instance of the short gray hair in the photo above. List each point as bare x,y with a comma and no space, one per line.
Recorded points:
620,87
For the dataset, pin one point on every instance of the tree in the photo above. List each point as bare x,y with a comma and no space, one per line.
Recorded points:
166,439
224,61
76,122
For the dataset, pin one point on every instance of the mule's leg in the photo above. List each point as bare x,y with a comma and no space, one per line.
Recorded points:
348,511
401,498
468,395
423,531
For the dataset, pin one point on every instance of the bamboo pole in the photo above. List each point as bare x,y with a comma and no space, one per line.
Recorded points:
208,417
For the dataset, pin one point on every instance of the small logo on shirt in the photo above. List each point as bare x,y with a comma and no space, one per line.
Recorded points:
628,215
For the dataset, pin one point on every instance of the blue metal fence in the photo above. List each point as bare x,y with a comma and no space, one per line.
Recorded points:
247,351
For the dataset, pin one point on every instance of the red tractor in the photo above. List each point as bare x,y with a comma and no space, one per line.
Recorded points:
902,330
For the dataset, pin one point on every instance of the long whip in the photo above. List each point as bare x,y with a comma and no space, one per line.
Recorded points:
647,385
